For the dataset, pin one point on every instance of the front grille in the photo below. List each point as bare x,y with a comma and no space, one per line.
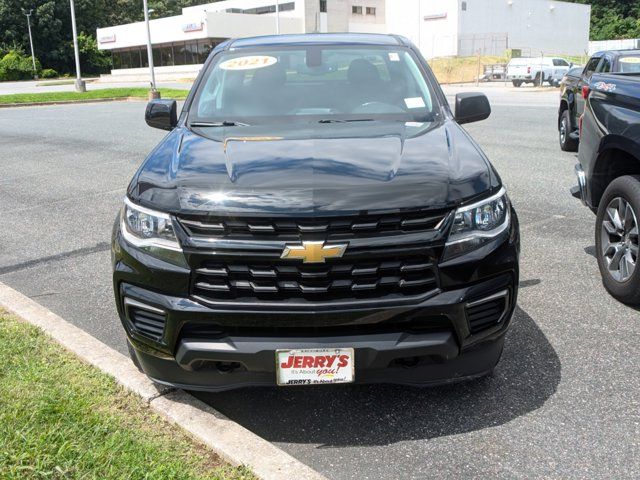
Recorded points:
290,228
486,313
388,255
385,274
147,321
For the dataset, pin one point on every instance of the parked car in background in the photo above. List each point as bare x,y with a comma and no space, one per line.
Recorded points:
609,177
536,70
571,95
494,72
573,73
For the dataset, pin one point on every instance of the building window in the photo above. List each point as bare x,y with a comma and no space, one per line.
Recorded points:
323,6
371,10
356,10
464,6
283,7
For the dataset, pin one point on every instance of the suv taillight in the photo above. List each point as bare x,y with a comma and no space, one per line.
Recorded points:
585,91
528,70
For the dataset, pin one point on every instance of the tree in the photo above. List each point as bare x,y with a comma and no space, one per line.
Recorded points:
15,65
92,60
614,19
51,26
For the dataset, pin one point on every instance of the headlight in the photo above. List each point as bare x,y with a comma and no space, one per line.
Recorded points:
152,232
477,224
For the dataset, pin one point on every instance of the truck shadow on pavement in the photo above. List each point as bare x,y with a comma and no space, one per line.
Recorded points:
528,374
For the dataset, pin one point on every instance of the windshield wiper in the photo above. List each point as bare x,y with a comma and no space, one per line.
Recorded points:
224,123
337,120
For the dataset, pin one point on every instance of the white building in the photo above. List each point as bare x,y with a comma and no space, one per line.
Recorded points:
625,44
438,27
466,27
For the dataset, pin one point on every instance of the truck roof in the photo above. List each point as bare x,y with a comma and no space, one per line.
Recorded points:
318,38
617,53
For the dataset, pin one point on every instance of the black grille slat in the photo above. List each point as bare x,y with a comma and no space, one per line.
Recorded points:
147,323
410,221
482,316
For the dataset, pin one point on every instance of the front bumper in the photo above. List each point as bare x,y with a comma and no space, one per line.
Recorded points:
432,341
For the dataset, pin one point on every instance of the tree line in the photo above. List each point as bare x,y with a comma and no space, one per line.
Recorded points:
613,19
51,28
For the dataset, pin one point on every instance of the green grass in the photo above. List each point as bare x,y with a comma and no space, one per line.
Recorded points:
53,97
61,418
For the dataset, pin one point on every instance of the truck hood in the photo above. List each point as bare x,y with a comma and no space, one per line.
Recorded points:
313,170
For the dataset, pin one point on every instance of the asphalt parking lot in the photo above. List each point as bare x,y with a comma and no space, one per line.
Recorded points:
563,403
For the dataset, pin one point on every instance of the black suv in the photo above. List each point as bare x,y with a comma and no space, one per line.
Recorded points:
315,215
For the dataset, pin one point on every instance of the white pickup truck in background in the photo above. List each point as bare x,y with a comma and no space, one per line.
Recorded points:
537,70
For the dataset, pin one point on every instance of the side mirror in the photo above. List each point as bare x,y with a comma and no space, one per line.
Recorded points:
162,114
471,107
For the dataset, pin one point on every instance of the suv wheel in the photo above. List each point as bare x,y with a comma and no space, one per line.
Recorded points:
617,239
567,143
517,83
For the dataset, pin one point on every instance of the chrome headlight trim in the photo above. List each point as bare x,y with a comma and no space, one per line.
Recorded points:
477,237
151,242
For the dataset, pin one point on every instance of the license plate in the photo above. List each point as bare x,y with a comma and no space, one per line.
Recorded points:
314,366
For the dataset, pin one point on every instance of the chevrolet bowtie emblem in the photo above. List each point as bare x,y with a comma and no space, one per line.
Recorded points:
313,252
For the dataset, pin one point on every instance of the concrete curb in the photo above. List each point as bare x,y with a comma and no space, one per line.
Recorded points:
231,441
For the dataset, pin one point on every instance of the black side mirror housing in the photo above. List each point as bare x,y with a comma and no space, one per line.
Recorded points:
162,114
471,107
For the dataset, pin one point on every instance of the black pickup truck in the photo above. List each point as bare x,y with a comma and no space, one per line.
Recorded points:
316,215
573,84
609,178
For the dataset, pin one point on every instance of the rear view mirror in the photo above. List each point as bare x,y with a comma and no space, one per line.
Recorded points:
162,114
471,107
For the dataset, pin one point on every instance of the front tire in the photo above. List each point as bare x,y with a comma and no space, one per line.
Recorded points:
517,83
567,144
617,239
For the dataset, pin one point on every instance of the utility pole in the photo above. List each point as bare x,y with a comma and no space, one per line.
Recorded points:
277,17
80,85
33,57
153,93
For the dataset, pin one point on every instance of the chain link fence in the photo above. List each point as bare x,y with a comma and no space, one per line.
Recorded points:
479,57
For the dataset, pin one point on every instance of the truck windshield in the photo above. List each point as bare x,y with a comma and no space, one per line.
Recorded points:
313,84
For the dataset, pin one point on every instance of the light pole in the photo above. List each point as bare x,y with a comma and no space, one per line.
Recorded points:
277,17
153,93
33,57
80,85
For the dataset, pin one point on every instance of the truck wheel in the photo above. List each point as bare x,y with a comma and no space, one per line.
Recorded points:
516,83
567,144
617,239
